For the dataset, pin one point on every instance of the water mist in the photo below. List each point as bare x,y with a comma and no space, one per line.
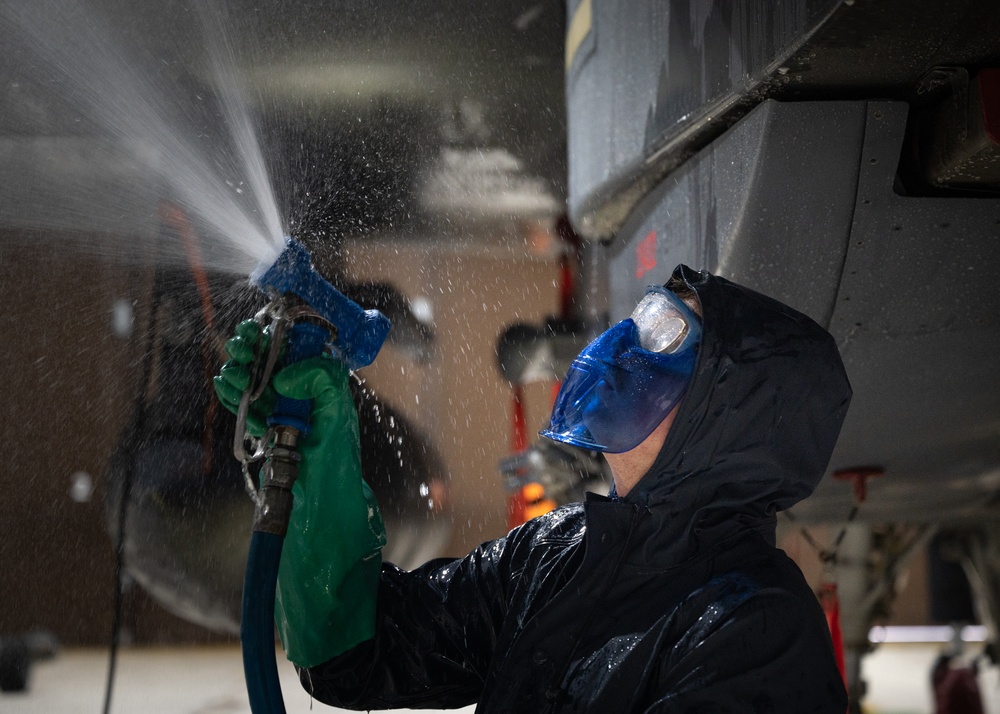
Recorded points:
196,149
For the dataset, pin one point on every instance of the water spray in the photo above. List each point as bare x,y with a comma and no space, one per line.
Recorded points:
306,316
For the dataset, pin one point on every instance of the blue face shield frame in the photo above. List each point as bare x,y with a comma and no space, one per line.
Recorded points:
617,392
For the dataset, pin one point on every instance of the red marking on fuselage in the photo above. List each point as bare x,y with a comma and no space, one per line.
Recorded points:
645,255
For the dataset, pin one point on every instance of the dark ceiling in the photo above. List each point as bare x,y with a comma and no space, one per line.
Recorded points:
355,102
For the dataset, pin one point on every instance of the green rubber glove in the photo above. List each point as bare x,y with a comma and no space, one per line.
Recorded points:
234,377
331,560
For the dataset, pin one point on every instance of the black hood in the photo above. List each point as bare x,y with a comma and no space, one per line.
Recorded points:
756,429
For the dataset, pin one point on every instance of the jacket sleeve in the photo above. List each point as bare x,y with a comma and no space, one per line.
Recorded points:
771,654
436,628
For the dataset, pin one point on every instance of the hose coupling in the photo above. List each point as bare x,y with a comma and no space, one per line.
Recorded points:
278,475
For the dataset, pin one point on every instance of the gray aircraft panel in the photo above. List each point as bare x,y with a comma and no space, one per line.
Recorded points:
768,204
799,201
646,73
918,323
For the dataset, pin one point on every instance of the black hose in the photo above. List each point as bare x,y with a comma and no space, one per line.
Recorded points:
257,624
134,434
116,618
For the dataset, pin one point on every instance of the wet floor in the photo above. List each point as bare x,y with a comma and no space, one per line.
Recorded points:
184,680
209,680
898,677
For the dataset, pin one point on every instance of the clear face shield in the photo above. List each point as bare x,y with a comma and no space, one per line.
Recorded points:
625,382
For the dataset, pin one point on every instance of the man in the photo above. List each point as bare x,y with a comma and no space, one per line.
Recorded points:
666,596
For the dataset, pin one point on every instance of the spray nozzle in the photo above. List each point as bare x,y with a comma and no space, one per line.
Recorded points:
359,332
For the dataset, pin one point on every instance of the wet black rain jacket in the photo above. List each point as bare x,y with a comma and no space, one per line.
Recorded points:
672,599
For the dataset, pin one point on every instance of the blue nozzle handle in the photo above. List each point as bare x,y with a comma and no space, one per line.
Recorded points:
360,333
304,340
